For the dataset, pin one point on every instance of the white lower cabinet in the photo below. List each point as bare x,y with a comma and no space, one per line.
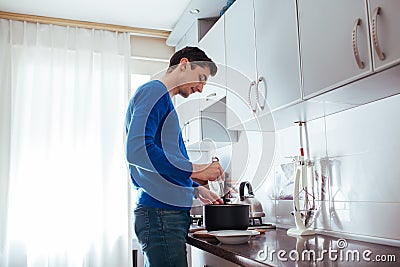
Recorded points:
201,258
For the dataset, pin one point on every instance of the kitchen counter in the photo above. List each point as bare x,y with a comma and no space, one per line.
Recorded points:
276,248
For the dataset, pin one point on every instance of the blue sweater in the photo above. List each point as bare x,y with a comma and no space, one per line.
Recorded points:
158,161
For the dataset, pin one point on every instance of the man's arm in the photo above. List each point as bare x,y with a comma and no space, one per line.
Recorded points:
206,196
147,113
207,172
142,151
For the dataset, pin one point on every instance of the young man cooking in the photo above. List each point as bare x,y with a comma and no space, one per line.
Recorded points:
159,165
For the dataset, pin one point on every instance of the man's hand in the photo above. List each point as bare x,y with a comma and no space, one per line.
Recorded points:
207,197
208,172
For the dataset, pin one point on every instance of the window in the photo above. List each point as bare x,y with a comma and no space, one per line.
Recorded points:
137,80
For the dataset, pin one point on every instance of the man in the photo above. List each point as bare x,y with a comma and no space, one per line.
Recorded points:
158,162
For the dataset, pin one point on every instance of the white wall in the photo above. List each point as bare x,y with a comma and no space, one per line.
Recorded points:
361,147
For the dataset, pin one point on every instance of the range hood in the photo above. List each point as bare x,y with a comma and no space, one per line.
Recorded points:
214,133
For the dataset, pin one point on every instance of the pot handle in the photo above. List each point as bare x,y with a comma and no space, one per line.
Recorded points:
249,190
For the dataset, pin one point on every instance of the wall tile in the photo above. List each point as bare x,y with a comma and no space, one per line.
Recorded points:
252,157
365,129
288,141
315,139
270,212
287,145
266,191
265,194
356,156
366,218
283,209
365,177
364,145
323,220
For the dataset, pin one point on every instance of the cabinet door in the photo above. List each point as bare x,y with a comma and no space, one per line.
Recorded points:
201,258
213,43
181,44
241,65
192,132
385,24
188,110
192,35
278,60
212,93
326,43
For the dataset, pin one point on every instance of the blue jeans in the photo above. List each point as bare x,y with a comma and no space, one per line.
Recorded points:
162,235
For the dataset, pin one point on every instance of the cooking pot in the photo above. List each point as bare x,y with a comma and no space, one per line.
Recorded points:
256,210
226,217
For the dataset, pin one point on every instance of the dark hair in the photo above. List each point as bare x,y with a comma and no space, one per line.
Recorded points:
196,56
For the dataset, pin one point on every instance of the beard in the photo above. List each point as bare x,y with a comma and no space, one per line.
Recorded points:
184,94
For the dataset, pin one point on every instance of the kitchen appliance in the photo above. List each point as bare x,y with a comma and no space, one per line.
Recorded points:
226,217
256,211
304,217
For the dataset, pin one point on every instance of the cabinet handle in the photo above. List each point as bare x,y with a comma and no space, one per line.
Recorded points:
261,107
185,128
187,131
375,38
355,46
249,98
210,95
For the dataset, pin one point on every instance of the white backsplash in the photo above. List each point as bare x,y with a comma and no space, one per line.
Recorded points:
359,150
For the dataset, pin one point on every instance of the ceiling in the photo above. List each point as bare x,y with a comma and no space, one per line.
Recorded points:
149,14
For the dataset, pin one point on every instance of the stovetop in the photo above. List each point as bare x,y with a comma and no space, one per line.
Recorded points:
254,223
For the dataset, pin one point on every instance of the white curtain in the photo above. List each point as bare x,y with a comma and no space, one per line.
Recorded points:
64,188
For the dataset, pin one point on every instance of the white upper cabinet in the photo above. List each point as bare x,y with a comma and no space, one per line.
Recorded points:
263,61
240,38
337,39
213,43
181,44
334,43
192,35
202,115
304,58
385,32
190,38
278,60
241,66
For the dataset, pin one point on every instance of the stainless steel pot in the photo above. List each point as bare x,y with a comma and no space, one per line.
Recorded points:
256,210
226,217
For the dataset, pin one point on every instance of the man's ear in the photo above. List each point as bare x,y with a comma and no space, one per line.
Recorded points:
183,63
